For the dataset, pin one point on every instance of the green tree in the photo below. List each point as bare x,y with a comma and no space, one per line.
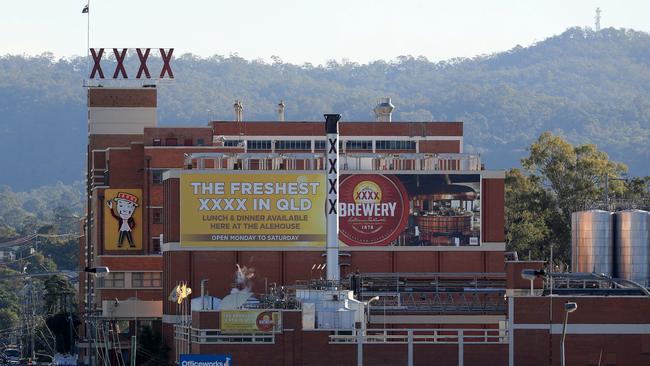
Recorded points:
527,211
559,179
8,320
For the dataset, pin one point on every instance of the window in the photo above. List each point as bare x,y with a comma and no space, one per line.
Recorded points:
122,326
293,145
144,323
157,142
323,144
113,280
395,145
258,145
155,243
232,143
146,279
157,176
171,141
188,142
156,215
319,145
200,142
359,145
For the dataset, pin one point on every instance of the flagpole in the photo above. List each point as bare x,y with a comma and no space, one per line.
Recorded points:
88,40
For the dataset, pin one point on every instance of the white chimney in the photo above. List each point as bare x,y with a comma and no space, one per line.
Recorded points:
281,111
239,111
384,110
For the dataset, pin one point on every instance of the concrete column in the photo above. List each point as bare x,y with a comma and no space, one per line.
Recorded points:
359,347
410,347
332,169
511,331
461,351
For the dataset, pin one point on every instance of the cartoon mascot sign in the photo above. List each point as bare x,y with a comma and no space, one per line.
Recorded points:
122,230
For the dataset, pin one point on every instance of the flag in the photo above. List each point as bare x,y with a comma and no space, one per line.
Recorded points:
173,296
85,9
181,293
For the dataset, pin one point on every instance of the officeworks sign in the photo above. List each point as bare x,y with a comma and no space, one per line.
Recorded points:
205,360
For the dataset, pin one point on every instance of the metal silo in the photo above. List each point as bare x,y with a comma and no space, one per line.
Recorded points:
592,241
633,245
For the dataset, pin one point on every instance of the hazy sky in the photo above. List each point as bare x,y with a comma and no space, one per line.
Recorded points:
304,30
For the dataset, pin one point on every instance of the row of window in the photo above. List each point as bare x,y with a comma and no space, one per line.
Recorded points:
173,141
358,145
293,145
258,145
233,143
395,145
253,145
138,279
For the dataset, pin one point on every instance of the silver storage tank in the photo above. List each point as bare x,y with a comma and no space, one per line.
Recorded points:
633,245
592,242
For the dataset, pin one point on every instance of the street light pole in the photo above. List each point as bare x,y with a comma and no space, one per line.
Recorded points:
569,307
97,272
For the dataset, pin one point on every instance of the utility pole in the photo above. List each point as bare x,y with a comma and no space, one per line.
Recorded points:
134,347
32,320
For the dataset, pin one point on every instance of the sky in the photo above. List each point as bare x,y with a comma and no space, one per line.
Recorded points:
300,31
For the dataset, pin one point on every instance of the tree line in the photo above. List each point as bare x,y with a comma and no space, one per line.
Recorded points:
583,85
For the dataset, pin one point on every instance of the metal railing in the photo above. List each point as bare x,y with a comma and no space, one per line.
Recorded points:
411,162
217,336
350,161
422,336
433,292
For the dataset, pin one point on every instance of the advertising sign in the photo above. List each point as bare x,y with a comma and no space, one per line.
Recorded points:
410,209
374,209
243,321
123,219
205,360
253,209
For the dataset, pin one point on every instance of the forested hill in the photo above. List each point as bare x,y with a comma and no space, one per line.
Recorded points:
587,86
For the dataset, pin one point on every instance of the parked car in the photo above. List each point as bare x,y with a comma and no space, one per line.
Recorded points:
11,356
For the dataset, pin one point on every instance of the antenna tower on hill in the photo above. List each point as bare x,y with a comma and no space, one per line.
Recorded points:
598,19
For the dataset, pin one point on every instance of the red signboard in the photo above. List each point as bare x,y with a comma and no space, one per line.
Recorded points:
373,209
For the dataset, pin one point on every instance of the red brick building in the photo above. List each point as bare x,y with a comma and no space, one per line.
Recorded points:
135,169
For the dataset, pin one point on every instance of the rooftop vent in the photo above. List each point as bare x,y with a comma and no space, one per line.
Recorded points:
281,111
239,111
384,110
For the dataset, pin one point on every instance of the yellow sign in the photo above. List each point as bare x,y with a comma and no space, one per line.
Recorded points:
241,321
123,219
253,210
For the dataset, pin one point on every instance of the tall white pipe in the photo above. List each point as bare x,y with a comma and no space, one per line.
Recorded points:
281,107
332,204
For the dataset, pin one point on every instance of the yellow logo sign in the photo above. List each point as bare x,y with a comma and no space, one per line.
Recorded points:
252,321
253,210
367,192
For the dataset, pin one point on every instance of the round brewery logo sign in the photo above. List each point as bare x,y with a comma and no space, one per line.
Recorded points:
374,209
265,321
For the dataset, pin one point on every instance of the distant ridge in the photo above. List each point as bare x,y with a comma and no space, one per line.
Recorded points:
587,86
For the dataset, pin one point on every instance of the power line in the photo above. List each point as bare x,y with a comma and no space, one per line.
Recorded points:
27,239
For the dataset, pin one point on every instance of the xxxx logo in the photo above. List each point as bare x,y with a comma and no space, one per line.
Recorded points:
367,195
373,209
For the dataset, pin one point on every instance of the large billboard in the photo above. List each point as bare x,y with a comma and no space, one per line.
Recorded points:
123,219
278,209
410,209
265,209
249,321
